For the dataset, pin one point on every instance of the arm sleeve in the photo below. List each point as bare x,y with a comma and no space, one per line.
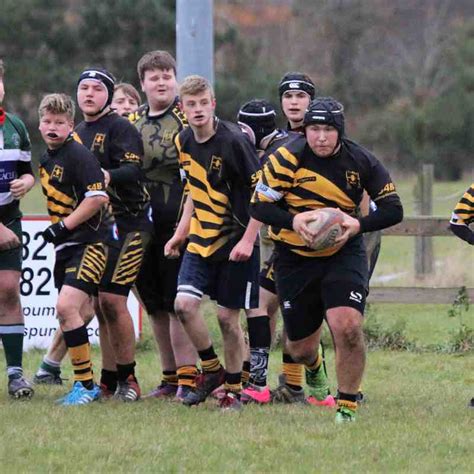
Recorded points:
24,167
380,187
267,204
244,162
90,178
128,152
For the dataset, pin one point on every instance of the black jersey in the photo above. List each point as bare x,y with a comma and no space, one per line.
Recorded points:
68,175
117,145
219,176
160,163
302,181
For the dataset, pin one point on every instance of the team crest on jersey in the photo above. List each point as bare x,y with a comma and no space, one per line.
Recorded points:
16,140
353,179
216,163
57,173
98,143
167,137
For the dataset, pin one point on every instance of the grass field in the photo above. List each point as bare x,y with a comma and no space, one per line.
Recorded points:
416,417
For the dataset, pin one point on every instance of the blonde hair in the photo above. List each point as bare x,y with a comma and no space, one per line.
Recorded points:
194,85
57,104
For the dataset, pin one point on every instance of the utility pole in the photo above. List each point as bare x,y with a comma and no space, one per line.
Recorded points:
195,38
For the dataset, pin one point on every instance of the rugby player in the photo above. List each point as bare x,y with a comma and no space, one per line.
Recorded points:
16,179
74,186
159,121
324,169
220,167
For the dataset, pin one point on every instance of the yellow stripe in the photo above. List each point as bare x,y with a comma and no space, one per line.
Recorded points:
193,247
77,138
199,173
278,168
288,156
53,192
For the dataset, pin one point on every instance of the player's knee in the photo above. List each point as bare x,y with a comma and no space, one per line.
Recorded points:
301,353
351,334
184,308
109,309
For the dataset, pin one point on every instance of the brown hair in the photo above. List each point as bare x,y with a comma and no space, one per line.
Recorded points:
194,85
155,60
57,104
129,90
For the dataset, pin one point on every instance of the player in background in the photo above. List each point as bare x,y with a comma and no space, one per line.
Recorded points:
16,179
220,167
461,219
126,99
159,121
74,186
324,169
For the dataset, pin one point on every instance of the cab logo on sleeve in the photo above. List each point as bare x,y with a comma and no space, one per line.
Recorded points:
95,187
129,156
57,173
387,189
353,179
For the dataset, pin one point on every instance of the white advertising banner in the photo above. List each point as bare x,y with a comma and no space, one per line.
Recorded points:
38,294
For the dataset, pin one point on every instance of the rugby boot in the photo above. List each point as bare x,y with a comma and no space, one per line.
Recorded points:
47,378
230,402
206,383
20,388
128,390
345,415
254,394
80,395
285,394
164,390
317,381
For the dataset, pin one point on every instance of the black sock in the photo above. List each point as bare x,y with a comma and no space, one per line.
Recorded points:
125,370
109,379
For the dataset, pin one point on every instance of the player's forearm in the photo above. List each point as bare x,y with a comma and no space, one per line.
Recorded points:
389,212
28,179
86,209
251,233
463,232
126,173
270,213
182,229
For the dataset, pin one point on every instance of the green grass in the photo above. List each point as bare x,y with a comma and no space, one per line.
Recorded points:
415,418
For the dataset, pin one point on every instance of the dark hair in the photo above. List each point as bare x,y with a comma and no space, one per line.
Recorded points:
155,60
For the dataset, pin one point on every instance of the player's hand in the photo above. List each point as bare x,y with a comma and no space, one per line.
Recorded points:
173,246
18,188
300,224
106,177
8,239
242,251
56,233
350,227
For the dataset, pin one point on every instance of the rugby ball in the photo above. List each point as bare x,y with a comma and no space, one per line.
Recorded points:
326,227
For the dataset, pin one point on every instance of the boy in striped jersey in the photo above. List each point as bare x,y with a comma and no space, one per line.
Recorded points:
74,186
220,167
16,179
324,169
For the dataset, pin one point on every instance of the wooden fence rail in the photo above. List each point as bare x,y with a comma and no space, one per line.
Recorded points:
423,226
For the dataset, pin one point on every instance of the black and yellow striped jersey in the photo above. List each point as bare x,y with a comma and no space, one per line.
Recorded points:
160,163
463,213
117,145
219,176
68,175
301,181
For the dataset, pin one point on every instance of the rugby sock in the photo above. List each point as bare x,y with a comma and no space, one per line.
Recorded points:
293,372
316,365
12,339
109,379
259,341
347,400
187,375
209,360
245,372
233,384
170,377
79,349
49,366
124,371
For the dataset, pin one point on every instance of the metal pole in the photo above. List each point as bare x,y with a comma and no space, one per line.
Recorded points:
195,38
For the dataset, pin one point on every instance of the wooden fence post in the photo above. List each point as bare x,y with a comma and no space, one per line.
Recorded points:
424,258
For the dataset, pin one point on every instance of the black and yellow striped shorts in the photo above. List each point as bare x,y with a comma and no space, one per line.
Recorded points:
123,263
81,266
